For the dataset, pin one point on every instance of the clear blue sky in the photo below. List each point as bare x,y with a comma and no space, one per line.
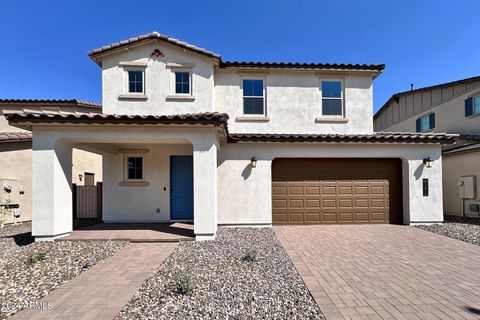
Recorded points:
44,45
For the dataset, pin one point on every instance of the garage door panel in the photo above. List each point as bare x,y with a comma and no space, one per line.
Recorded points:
360,190
328,190
377,217
377,190
280,218
345,203
336,191
312,190
296,217
279,190
361,217
312,203
295,190
345,217
377,203
345,190
295,203
329,203
361,203
279,204
312,217
329,217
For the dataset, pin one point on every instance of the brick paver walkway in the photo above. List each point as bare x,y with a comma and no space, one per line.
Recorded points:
102,291
385,271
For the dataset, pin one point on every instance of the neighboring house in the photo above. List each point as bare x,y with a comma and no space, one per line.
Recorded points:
187,136
16,152
452,107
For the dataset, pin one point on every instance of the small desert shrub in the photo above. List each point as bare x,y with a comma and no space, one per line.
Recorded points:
36,257
251,254
185,282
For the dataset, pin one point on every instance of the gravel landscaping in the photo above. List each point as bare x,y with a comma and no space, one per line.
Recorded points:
456,227
28,270
244,274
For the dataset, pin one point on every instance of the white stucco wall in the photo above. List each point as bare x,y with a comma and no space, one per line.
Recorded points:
293,102
244,194
158,81
455,166
293,98
140,203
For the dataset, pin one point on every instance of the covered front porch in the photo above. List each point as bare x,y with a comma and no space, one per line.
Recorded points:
134,232
157,170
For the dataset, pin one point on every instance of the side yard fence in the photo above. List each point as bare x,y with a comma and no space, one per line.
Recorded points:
87,201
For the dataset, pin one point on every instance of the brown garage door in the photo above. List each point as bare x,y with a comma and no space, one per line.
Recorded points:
332,191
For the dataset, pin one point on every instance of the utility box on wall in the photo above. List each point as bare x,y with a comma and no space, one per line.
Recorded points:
467,187
10,197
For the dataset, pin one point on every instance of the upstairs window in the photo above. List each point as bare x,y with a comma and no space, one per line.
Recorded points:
472,106
332,98
182,82
253,96
135,81
426,122
134,168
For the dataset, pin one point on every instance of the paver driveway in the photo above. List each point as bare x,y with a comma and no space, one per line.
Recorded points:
385,271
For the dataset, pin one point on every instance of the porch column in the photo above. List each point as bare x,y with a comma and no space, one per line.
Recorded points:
205,188
52,192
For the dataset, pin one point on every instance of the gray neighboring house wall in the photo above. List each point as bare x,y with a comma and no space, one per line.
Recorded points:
452,107
16,151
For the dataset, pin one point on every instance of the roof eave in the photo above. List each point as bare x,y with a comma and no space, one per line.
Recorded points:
97,54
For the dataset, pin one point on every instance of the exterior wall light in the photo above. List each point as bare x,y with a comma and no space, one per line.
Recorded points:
80,177
253,162
427,162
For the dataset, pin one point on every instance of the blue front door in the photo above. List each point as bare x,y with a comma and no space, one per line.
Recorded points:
181,187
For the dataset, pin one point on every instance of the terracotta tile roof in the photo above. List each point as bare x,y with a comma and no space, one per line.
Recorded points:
53,102
151,36
95,53
15,136
221,120
207,118
380,137
404,93
298,65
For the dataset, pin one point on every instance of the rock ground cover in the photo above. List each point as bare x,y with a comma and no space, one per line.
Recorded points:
29,270
461,228
244,274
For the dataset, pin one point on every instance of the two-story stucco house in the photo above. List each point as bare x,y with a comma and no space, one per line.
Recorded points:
452,107
16,154
187,136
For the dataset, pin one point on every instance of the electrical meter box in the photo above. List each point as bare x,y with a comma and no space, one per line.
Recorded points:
8,190
10,196
467,187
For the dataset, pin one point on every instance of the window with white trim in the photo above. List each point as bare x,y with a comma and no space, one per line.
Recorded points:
332,98
134,168
136,81
253,96
182,82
